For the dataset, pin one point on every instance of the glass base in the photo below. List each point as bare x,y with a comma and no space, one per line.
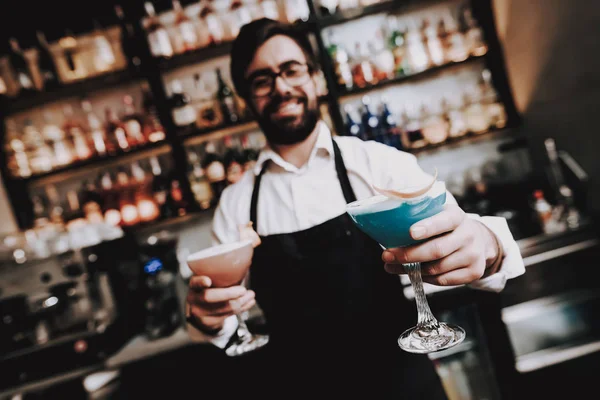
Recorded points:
244,345
427,339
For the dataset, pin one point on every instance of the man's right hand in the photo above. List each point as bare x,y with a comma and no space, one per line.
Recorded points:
209,307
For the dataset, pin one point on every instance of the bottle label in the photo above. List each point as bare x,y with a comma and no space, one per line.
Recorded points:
185,115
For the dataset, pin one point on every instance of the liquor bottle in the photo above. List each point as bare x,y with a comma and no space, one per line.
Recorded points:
96,131
390,126
129,43
370,121
110,200
158,37
397,43
269,9
239,14
91,201
543,212
75,131
176,200
40,212
20,67
46,64
200,185
363,71
104,55
41,157
456,118
208,114
64,154
341,61
227,100
18,164
116,130
233,161
435,47
142,194
383,58
213,166
152,128
328,7
456,47
354,128
56,209
413,138
476,116
489,99
416,49
74,64
133,122
434,125
474,40
129,212
74,216
212,31
185,28
183,112
160,187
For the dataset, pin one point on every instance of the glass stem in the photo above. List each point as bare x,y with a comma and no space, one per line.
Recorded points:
242,331
425,317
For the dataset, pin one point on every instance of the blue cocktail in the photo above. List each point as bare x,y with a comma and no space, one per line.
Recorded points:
388,220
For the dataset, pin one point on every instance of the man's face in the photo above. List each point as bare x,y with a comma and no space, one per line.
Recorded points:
290,112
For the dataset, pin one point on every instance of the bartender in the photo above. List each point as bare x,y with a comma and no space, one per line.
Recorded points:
331,297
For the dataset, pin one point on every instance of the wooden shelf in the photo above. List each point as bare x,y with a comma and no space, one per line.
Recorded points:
99,163
352,14
194,57
201,136
33,100
428,73
467,140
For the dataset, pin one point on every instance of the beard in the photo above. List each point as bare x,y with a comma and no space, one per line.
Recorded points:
288,131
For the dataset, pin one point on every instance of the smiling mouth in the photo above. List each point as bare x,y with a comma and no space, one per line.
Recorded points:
289,108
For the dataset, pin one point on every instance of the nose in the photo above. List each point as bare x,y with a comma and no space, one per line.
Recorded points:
280,86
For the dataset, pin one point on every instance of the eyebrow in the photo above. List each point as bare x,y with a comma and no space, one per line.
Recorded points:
268,71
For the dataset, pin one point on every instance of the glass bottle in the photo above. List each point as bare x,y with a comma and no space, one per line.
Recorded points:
91,201
129,212
160,187
475,114
456,46
354,127
435,46
413,137
96,131
212,162
176,200
110,200
397,42
41,157
63,149
46,65
133,122
200,185
104,55
18,164
227,101
152,128
456,118
370,121
158,37
269,9
416,50
233,161
250,153
489,99
185,28
473,34
75,131
341,61
74,64
383,57
363,71
390,126
142,197
183,112
239,14
208,116
129,43
20,67
115,129
212,31
434,125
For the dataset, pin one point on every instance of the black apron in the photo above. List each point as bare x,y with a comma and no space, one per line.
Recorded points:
333,315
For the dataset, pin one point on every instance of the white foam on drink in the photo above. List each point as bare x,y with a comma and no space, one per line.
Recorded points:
380,202
218,250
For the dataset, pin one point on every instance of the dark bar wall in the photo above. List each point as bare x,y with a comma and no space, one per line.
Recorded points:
553,62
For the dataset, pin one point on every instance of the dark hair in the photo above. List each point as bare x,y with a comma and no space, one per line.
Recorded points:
251,37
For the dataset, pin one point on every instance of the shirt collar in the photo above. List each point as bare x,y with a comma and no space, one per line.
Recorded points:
323,145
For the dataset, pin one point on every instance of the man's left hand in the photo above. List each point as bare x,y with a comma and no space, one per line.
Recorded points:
455,250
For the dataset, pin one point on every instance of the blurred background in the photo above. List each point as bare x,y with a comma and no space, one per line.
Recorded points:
120,129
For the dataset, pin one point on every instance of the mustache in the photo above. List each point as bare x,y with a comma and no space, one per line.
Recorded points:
278,99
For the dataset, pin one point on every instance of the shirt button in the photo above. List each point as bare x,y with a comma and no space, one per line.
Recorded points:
348,233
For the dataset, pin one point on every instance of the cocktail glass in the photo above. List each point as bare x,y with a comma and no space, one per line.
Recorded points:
388,220
227,265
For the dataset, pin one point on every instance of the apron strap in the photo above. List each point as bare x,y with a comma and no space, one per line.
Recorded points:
340,169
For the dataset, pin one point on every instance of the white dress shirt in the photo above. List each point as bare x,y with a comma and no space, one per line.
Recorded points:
294,199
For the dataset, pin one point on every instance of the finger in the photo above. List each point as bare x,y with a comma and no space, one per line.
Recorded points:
461,276
395,269
209,322
216,295
447,220
456,260
200,282
431,250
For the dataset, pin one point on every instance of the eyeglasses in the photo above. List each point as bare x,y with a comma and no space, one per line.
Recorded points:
294,75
